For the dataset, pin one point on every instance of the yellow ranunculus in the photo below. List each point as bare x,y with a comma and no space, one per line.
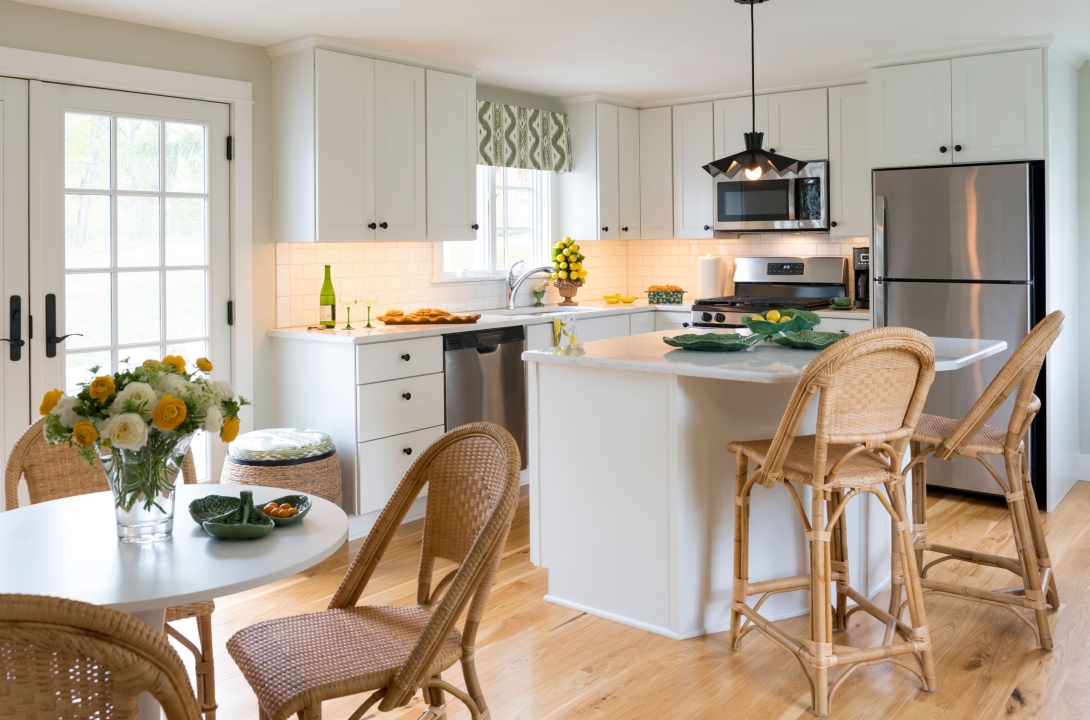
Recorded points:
49,401
169,413
152,363
229,431
84,433
204,365
176,360
102,387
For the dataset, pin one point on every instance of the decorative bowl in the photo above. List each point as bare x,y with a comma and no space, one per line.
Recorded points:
842,303
800,320
612,299
211,506
245,522
808,339
300,502
665,298
713,342
627,299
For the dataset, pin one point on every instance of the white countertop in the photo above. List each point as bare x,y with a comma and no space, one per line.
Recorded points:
764,363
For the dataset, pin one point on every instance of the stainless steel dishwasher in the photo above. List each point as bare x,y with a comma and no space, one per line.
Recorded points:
486,380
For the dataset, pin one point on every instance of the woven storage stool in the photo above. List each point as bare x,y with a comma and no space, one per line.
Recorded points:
292,458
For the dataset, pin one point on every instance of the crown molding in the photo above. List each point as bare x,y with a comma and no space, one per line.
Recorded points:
1023,43
597,97
768,90
327,43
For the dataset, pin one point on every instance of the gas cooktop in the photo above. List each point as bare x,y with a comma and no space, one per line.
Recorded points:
756,302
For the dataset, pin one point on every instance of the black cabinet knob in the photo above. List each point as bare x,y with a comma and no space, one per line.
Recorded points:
384,225
772,150
707,227
475,226
957,148
605,229
407,396
832,224
405,357
942,149
372,225
624,229
407,451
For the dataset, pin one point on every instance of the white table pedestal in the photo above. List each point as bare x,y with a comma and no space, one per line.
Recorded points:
150,709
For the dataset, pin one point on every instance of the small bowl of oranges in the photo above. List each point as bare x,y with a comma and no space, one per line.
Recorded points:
287,510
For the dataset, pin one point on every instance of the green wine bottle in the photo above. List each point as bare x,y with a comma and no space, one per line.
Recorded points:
327,303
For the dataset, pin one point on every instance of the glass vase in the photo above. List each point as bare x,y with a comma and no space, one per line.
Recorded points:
142,482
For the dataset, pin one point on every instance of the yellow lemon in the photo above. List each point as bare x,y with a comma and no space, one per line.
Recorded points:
784,319
772,316
757,318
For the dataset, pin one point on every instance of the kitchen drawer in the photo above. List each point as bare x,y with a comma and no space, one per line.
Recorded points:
381,464
848,325
399,406
379,362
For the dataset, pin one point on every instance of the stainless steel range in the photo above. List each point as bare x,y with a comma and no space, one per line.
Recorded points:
761,283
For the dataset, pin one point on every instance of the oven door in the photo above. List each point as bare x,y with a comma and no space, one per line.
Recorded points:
774,203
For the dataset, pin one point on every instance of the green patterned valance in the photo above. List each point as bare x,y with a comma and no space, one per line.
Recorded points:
518,137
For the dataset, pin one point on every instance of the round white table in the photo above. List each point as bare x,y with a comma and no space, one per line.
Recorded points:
69,548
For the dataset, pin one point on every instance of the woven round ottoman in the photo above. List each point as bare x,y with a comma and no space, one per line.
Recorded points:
292,458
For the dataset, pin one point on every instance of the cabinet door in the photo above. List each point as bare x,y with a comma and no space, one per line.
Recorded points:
400,193
628,170
656,173
798,124
641,323
693,149
606,328
670,320
998,107
344,146
910,115
608,188
452,156
849,161
734,118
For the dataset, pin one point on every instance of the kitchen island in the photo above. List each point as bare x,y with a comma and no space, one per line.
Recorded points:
632,489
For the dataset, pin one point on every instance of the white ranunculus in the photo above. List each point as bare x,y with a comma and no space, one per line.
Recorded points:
172,384
128,431
213,419
136,392
65,411
223,389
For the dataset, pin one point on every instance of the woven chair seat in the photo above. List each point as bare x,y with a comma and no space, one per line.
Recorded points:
934,429
863,470
192,610
296,662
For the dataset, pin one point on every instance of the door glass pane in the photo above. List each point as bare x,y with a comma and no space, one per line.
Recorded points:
137,231
86,151
137,307
519,246
137,355
137,154
185,151
78,367
520,177
185,304
501,245
185,230
86,231
87,309
520,208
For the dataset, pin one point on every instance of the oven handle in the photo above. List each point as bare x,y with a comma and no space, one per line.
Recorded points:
878,262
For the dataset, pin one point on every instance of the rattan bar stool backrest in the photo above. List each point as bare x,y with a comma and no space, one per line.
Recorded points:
67,659
57,471
872,388
1020,371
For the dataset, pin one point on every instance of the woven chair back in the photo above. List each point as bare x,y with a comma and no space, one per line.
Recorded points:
67,659
57,471
872,389
1020,371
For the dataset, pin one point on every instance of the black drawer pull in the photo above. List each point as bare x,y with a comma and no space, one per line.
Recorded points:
408,451
407,396
383,225
372,226
405,357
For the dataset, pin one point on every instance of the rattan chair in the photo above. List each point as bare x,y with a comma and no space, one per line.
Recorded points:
67,659
871,388
294,663
57,471
971,437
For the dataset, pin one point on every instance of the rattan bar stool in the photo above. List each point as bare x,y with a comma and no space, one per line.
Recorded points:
971,437
57,471
871,388
301,460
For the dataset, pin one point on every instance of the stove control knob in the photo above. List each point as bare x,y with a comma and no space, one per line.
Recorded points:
720,317
706,317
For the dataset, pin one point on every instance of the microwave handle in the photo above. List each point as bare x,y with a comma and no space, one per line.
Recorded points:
791,199
878,262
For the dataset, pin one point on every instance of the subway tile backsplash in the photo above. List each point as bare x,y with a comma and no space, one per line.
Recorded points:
400,273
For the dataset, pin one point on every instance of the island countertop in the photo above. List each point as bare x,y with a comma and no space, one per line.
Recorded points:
764,363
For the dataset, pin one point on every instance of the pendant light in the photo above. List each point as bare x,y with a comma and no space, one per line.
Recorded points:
754,161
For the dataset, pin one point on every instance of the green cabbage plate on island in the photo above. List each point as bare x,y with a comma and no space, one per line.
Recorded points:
800,320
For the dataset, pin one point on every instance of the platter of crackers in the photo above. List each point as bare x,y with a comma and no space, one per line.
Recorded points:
426,316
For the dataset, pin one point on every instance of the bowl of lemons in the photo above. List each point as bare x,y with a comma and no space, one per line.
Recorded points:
612,299
774,322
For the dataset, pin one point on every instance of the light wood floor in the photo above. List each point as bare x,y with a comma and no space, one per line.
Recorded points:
542,661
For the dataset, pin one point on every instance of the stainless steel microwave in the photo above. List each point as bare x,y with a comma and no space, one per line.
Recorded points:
774,204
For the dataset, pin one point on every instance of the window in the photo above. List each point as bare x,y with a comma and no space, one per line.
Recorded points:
513,212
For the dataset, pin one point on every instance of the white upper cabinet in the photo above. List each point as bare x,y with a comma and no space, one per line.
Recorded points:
628,172
608,178
910,115
798,124
849,161
656,173
998,107
733,118
693,186
400,163
452,156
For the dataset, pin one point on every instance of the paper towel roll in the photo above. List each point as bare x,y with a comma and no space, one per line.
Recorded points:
709,277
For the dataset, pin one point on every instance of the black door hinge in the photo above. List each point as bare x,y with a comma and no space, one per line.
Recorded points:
230,312
230,148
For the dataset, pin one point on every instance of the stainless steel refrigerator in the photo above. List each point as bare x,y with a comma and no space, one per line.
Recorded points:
958,252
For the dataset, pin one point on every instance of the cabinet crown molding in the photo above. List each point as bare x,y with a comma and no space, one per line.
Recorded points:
596,97
1031,42
322,41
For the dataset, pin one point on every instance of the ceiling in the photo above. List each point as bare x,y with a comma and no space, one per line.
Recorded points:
641,50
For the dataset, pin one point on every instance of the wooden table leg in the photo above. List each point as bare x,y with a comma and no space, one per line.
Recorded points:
149,706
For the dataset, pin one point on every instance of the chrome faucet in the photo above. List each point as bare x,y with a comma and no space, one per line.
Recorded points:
513,282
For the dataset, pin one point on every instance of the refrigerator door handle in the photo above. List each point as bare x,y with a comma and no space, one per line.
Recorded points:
878,262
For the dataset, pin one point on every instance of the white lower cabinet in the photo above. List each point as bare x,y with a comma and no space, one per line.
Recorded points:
399,406
381,464
605,328
848,325
641,323
665,320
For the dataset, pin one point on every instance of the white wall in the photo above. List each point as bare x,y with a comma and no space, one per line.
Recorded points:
1084,267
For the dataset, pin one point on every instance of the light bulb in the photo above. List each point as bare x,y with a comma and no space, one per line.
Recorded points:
753,173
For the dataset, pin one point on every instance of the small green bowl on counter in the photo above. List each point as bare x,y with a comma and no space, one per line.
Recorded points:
800,320
713,342
808,339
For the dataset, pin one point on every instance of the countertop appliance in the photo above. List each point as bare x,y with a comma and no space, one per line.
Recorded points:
761,283
959,252
485,380
774,204
861,258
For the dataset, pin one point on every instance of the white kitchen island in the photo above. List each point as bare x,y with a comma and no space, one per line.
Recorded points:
632,489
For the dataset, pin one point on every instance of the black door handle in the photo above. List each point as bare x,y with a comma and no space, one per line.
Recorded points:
372,226
832,224
624,229
405,357
407,451
15,329
707,227
383,225
605,229
407,396
942,149
957,148
51,339
475,226
772,150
